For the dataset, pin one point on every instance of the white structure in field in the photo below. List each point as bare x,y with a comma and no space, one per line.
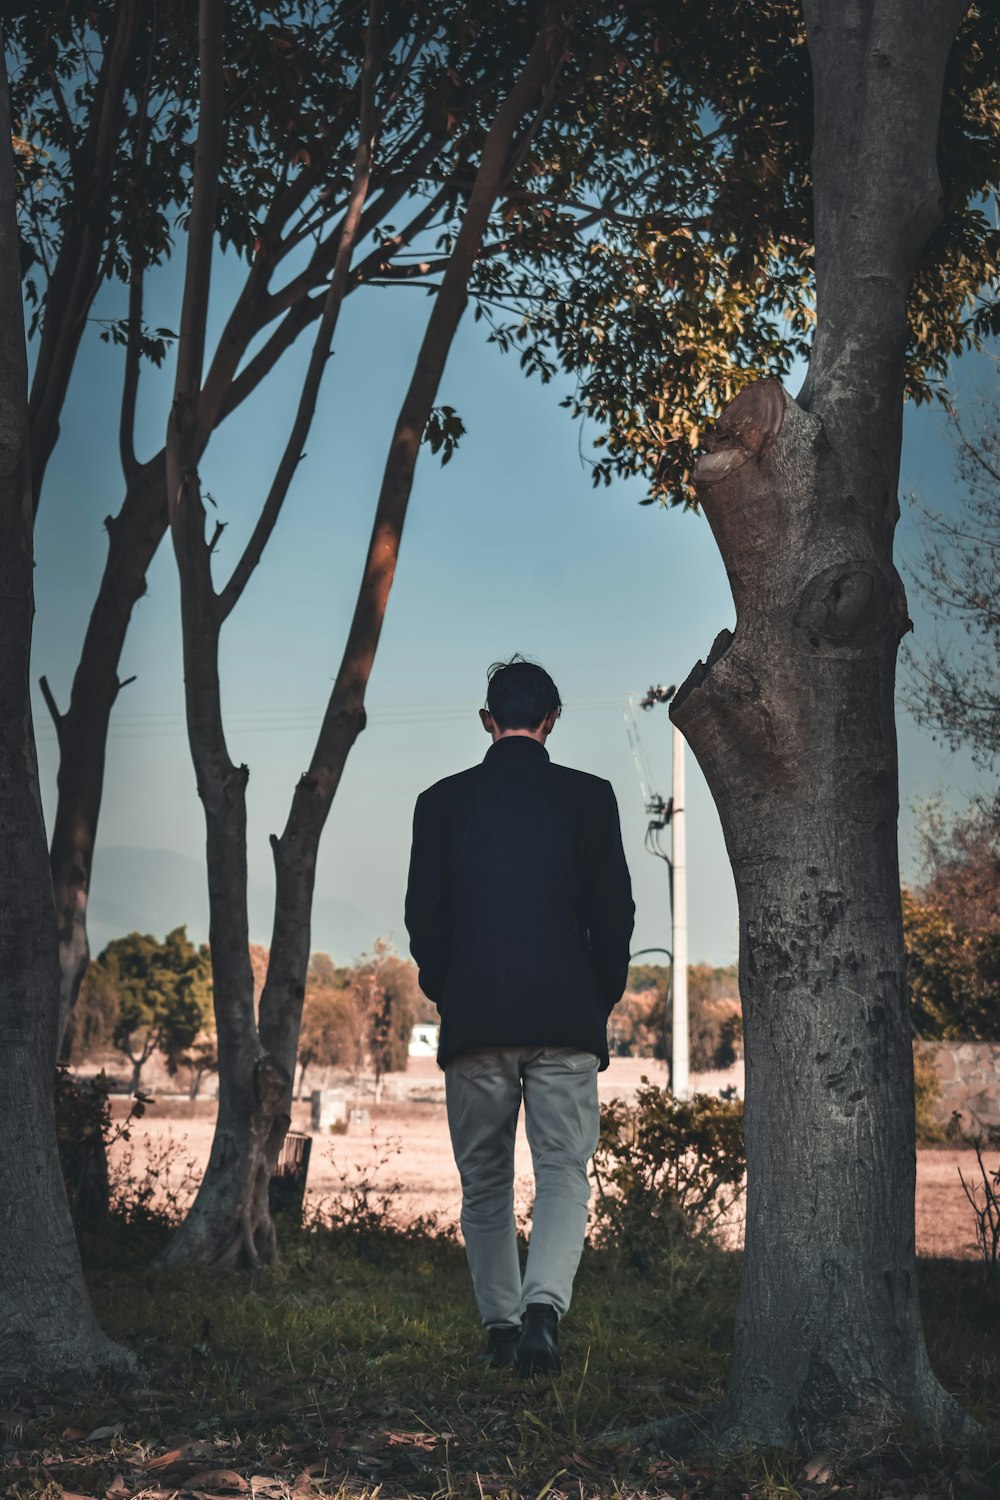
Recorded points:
424,1039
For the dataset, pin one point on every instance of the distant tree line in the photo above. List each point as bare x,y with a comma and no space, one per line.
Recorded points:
640,1024
143,997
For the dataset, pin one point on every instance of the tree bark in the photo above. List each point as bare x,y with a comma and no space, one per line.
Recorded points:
47,1324
791,719
82,730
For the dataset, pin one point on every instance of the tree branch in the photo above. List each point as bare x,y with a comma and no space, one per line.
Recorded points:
201,224
130,377
51,705
328,323
76,273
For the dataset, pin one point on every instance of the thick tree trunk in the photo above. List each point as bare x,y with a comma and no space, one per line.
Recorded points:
792,723
791,719
47,1325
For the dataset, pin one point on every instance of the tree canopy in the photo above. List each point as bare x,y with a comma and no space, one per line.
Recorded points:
654,240
163,992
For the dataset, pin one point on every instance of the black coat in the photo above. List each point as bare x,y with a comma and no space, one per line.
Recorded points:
519,905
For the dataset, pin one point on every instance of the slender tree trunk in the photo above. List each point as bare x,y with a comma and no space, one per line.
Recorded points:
792,722
296,851
136,531
224,1225
82,731
138,1063
47,1325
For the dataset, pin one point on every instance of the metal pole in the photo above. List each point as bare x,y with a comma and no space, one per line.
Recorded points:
679,945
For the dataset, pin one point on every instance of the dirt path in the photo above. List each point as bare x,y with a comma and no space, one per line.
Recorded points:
404,1153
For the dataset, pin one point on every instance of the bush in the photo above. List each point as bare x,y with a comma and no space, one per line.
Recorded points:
83,1128
664,1168
926,1093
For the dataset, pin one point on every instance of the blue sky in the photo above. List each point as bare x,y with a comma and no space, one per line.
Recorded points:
506,549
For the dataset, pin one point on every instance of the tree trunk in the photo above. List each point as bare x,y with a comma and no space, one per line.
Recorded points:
792,722
47,1324
133,537
230,1220
791,719
296,851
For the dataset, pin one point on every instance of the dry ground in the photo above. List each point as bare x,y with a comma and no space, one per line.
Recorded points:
404,1150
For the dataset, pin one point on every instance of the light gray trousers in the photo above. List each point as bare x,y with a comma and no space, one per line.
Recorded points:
484,1090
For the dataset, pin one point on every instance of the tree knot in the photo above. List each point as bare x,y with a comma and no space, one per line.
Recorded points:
746,429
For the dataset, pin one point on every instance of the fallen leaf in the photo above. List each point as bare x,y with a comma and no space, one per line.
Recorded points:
216,1479
116,1488
73,1434
104,1432
165,1460
818,1470
426,1441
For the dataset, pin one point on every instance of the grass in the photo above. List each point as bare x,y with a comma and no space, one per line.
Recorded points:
349,1370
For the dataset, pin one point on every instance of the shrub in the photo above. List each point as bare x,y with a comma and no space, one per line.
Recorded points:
926,1093
83,1126
664,1168
987,1211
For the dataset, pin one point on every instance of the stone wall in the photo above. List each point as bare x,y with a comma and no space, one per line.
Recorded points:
969,1073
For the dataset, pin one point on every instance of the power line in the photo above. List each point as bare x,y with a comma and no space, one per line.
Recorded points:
147,726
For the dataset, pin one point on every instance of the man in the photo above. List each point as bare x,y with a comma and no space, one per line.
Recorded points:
519,909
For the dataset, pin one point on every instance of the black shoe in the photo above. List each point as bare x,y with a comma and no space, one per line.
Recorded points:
538,1346
501,1346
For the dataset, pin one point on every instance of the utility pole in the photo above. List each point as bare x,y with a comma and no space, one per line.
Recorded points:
660,814
679,1069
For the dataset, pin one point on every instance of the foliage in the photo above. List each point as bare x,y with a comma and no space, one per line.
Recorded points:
164,994
926,1093
94,1018
640,1023
360,1016
330,1033
654,239
385,991
702,277
84,1134
665,1167
951,927
952,686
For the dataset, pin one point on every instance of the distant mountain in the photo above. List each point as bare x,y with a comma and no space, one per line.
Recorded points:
154,890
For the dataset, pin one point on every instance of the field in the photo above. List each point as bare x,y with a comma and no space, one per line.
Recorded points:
404,1154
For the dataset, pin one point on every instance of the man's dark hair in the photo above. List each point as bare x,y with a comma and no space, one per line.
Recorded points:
520,694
